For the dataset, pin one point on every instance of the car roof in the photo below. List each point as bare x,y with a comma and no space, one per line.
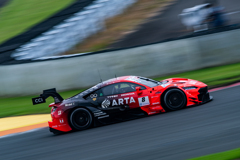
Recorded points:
117,80
132,79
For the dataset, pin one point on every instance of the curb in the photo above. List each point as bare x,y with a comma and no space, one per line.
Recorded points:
12,125
23,129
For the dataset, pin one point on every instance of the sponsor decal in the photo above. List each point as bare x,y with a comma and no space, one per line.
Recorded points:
69,104
121,101
158,92
99,114
93,95
106,103
127,94
114,96
117,102
155,103
38,100
61,120
154,96
94,99
59,112
143,101
103,117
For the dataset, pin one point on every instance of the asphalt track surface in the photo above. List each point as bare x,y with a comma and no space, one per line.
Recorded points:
192,132
167,24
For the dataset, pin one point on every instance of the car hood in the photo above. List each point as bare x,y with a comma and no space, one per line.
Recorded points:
181,82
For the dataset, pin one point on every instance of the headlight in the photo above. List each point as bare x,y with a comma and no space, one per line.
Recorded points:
189,88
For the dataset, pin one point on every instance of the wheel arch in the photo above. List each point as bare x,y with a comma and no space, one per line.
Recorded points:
72,109
165,91
76,107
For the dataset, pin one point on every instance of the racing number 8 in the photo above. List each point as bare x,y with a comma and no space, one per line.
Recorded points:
143,101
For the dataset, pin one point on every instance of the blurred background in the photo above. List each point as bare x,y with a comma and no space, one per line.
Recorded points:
66,44
35,29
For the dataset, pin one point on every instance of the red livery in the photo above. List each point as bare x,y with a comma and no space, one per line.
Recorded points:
120,99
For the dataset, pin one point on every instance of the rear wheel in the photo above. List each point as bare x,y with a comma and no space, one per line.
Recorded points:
81,119
174,99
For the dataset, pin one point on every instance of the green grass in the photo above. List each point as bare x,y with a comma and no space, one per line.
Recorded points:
17,106
228,155
212,76
20,15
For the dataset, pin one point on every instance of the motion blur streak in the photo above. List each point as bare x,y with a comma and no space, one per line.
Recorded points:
226,87
188,133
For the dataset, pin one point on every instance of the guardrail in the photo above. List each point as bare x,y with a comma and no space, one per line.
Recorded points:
72,30
150,61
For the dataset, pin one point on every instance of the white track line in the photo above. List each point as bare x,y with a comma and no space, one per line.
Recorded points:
16,134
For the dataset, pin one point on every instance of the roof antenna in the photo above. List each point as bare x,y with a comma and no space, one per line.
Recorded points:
100,76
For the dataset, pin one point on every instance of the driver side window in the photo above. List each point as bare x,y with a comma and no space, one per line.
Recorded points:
120,88
129,87
133,85
110,90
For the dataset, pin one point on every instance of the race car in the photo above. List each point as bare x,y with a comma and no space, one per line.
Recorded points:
122,98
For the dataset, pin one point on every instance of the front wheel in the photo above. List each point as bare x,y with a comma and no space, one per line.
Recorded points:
174,99
81,119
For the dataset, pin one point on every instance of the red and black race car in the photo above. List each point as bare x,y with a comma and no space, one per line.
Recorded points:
120,99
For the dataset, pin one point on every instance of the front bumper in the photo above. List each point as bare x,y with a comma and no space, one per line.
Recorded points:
204,95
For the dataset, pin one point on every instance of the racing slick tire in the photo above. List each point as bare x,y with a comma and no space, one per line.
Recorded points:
174,99
81,119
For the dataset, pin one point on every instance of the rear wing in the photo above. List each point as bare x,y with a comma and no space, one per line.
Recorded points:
47,93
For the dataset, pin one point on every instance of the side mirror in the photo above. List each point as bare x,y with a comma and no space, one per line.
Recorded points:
138,90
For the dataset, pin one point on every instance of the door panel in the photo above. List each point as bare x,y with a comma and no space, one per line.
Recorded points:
120,94
144,98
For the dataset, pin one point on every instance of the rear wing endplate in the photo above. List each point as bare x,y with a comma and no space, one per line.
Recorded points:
47,93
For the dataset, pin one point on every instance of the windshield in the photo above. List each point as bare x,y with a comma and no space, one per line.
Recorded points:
145,81
148,82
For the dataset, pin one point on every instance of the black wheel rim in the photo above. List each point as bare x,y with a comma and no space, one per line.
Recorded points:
81,118
175,100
